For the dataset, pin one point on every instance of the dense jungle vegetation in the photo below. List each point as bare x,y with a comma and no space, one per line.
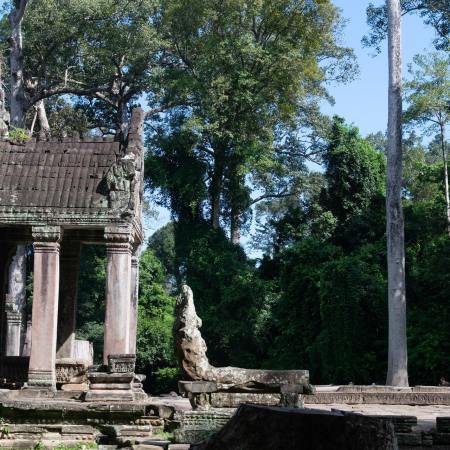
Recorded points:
237,147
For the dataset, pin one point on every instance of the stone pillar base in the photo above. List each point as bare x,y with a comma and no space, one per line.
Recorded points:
138,391
41,379
110,387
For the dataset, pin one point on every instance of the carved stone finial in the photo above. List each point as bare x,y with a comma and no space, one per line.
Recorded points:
190,349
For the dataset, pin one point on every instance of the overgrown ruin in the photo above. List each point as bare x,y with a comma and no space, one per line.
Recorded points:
56,196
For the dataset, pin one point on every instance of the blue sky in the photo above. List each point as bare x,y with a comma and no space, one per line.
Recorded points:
364,100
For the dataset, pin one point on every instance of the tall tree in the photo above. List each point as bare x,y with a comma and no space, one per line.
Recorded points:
397,352
102,50
246,70
435,13
17,278
428,97
17,83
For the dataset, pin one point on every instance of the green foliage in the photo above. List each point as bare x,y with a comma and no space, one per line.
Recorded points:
165,380
18,135
155,317
4,428
228,296
354,173
428,92
162,244
251,72
429,309
91,297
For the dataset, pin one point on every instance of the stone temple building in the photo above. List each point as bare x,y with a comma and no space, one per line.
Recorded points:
56,195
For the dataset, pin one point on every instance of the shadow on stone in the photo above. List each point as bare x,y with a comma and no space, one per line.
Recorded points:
269,428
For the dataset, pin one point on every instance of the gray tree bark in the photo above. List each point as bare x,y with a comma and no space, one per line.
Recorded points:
4,114
397,354
235,229
44,126
17,100
444,158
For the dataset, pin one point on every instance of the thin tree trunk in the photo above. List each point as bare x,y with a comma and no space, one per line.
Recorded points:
17,281
17,100
397,355
4,116
235,229
44,127
123,120
216,187
237,201
444,159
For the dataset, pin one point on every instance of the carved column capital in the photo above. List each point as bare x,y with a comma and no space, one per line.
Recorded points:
119,239
119,233
46,238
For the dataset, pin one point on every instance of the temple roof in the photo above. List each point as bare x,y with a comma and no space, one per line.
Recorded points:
83,182
56,174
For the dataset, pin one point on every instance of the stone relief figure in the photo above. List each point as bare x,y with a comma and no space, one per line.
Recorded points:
123,181
191,350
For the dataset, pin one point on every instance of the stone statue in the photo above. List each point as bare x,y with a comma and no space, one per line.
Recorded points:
123,183
191,349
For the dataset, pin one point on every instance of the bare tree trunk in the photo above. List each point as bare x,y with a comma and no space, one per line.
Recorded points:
44,127
4,115
236,226
17,100
397,355
17,273
237,200
444,159
122,119
216,187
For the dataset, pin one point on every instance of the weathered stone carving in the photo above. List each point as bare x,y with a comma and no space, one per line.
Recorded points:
123,181
47,233
191,349
70,371
121,363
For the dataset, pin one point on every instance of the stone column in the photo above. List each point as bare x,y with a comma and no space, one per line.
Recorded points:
15,302
118,291
13,327
134,302
68,290
41,372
